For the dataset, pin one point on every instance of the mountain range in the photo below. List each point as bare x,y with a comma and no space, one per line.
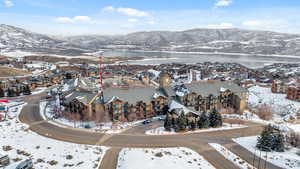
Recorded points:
194,40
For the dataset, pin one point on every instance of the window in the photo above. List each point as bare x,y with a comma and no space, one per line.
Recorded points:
123,107
116,108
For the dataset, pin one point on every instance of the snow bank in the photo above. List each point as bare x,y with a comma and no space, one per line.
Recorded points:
162,131
175,158
231,156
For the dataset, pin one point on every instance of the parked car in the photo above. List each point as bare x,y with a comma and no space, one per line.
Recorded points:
147,121
161,118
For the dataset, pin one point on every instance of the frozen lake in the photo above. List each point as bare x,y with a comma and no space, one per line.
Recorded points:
249,60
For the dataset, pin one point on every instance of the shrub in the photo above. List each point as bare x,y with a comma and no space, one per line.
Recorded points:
264,112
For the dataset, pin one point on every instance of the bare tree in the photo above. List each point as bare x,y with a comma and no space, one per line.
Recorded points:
265,112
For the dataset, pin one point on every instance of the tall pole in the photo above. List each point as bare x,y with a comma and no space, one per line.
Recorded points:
259,159
254,156
101,68
266,160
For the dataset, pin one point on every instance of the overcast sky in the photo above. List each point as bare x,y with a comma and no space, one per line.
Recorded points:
76,17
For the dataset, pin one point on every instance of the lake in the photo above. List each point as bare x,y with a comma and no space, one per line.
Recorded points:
252,61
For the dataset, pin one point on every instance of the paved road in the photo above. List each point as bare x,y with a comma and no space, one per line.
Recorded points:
136,138
110,159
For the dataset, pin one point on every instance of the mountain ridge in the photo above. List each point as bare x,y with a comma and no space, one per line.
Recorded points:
231,40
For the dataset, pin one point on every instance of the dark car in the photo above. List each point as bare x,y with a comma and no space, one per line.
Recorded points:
147,121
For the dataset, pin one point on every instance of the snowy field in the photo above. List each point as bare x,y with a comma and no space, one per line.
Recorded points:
283,107
231,156
287,159
19,144
162,131
163,158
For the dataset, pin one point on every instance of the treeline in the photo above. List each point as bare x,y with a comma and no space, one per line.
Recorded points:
185,122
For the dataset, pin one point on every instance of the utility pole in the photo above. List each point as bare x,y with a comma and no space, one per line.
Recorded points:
253,164
259,159
266,160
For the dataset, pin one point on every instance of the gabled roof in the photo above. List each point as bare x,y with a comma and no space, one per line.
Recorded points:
131,95
207,88
174,105
83,97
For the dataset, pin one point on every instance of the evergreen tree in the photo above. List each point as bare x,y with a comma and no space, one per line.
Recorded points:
265,140
10,93
2,94
193,125
215,119
278,142
165,109
168,123
27,90
182,122
203,122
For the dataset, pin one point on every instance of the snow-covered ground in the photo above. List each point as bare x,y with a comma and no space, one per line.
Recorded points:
162,131
163,158
231,156
282,107
287,159
19,144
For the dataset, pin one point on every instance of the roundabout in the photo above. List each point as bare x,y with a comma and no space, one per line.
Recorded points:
136,138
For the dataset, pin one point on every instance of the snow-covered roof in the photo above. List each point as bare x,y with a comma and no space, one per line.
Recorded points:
175,105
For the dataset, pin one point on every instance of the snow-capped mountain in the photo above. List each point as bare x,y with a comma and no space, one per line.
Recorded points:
17,39
199,40
195,40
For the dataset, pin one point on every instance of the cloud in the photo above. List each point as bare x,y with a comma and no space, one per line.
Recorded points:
221,3
8,3
64,20
108,9
220,26
75,19
82,18
132,12
132,20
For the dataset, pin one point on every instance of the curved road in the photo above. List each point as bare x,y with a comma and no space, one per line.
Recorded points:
136,138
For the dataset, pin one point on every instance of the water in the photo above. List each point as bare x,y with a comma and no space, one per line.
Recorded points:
252,61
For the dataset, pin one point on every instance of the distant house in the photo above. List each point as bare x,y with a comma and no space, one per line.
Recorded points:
293,92
278,86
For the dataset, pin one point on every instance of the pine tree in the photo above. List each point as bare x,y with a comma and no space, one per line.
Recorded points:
215,119
10,93
203,122
2,94
165,109
168,123
182,122
265,140
278,142
27,90
193,125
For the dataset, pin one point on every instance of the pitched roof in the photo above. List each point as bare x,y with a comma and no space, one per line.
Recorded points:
207,88
82,96
131,95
